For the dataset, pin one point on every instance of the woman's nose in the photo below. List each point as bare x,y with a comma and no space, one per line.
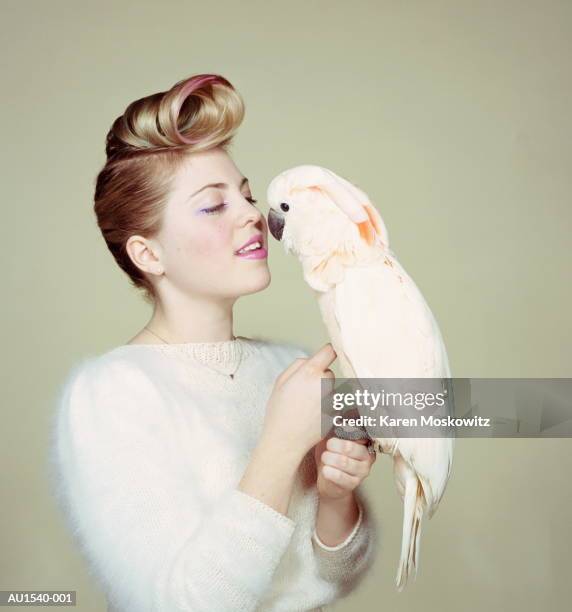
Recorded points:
251,213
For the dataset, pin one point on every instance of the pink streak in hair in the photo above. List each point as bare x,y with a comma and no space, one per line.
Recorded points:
192,85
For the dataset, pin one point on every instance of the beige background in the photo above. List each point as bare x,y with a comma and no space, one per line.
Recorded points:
453,115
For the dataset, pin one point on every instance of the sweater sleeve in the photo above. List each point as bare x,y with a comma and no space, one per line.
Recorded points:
151,541
347,563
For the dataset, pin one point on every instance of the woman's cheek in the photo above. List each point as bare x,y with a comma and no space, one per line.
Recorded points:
212,244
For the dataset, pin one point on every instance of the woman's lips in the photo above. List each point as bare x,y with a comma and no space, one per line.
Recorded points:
260,253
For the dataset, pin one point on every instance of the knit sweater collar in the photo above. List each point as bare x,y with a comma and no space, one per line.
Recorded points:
224,355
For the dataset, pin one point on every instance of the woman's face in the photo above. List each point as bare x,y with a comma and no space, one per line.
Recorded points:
204,226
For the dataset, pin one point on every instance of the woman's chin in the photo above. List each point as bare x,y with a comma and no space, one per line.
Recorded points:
257,281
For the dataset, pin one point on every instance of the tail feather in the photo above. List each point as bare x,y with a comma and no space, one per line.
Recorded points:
411,536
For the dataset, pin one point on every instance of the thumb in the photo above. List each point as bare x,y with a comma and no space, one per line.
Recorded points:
323,358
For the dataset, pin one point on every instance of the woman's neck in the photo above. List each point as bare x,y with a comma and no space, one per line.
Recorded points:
201,321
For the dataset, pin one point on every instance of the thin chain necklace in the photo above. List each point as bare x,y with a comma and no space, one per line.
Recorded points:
208,366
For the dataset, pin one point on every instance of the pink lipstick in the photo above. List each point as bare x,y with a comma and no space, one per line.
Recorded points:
253,248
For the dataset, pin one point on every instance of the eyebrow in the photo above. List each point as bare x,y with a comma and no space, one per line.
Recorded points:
218,186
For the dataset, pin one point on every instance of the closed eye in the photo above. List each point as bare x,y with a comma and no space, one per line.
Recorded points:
214,209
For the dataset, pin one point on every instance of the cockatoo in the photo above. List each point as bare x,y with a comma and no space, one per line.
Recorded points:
378,321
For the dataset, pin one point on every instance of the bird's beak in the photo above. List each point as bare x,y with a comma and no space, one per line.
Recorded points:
275,224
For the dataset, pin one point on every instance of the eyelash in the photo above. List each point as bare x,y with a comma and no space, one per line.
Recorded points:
216,209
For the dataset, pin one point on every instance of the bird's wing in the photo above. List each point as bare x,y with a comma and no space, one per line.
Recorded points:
388,331
432,459
386,327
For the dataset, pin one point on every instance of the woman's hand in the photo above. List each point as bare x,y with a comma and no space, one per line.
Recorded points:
293,420
342,466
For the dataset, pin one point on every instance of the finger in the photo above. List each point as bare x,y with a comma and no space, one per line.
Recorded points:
346,464
366,442
323,358
293,367
352,448
340,478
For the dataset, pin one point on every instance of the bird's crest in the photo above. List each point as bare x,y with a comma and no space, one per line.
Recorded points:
349,199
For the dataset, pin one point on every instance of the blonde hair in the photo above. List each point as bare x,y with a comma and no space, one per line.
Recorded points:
145,146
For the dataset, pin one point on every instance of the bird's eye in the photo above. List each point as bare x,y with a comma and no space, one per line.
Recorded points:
285,207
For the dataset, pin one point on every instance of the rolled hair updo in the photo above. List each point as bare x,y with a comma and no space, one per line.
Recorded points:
145,146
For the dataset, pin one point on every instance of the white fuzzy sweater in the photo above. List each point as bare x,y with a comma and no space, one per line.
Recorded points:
149,443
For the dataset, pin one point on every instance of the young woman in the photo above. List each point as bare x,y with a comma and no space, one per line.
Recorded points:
190,462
